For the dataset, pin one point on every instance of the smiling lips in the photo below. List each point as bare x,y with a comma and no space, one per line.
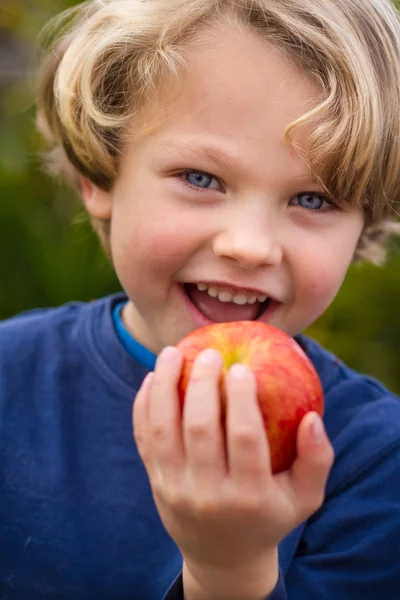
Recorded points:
220,304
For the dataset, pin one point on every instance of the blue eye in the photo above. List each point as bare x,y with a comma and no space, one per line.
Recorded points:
200,179
311,201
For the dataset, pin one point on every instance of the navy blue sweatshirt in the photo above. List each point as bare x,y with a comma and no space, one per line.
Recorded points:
77,517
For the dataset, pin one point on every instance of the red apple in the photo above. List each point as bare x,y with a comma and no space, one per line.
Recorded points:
287,384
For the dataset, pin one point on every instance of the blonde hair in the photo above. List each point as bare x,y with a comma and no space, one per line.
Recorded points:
106,58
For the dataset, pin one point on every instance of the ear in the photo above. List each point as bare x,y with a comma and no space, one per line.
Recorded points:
98,202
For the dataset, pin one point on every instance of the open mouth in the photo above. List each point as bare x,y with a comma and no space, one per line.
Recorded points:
221,305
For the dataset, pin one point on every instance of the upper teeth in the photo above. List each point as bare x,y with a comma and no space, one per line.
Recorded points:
224,295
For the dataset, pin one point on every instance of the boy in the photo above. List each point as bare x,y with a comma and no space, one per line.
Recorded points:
235,157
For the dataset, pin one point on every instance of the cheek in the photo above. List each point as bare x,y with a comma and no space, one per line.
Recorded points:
159,243
166,244
322,265
319,282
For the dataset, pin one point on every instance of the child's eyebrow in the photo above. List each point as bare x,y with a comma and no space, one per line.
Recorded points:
211,153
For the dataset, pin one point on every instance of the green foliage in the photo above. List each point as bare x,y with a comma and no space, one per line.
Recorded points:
50,254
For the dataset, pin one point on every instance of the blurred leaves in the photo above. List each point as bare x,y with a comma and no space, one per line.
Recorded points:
49,254
362,326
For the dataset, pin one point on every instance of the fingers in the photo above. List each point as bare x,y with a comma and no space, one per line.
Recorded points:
157,417
165,414
141,419
166,442
248,450
311,468
203,434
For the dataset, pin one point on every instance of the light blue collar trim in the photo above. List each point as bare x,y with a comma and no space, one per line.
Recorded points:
131,346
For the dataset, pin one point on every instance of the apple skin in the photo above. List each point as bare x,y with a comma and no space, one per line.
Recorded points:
288,386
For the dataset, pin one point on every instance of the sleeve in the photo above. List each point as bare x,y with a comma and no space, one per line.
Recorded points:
176,590
350,547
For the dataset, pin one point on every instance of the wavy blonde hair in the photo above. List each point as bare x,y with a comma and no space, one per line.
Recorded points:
105,59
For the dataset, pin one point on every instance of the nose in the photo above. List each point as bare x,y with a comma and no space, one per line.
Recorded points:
250,247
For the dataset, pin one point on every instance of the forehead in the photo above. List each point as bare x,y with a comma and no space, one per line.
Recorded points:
231,71
237,92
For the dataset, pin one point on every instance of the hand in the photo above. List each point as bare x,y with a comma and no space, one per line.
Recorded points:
214,489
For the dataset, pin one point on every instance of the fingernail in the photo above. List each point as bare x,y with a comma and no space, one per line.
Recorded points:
209,357
239,371
317,428
167,355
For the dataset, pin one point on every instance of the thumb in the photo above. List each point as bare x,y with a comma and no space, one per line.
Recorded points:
310,470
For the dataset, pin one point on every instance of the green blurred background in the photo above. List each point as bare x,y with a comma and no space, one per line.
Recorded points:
49,255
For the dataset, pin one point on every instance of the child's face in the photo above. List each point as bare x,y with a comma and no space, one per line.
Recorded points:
216,196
